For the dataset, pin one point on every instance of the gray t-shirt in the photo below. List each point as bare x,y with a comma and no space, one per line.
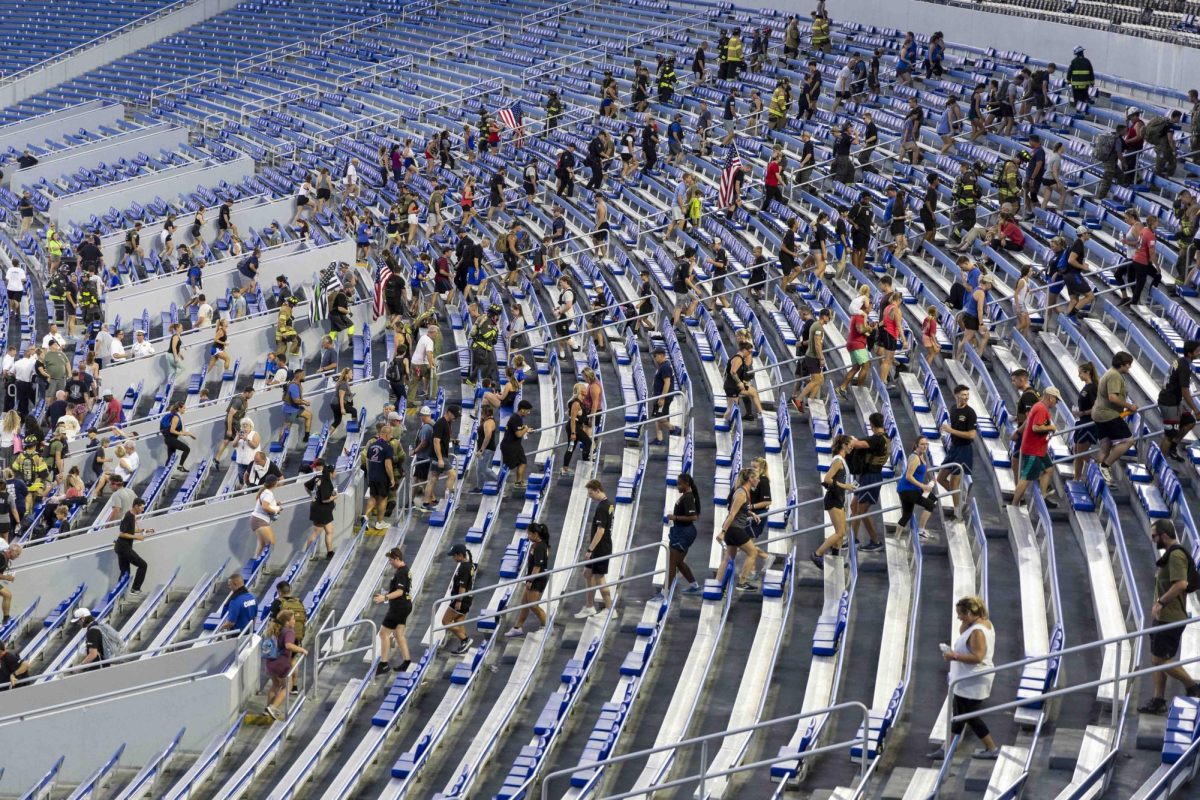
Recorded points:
424,437
122,500
816,340
1111,382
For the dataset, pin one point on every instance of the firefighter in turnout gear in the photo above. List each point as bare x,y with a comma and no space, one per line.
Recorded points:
1008,183
59,289
89,302
1081,77
554,110
967,194
483,346
666,80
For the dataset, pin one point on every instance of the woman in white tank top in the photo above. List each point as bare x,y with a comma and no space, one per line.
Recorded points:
971,653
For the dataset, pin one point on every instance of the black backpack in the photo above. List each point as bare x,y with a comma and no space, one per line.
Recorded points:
1193,574
958,296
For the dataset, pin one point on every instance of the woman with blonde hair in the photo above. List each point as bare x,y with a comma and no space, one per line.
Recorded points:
971,653
837,482
760,498
282,630
217,349
735,533
578,428
10,429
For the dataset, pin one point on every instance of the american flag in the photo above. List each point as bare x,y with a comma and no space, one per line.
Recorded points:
733,165
511,117
385,272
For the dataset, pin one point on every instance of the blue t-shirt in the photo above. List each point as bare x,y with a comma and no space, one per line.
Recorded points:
675,132
291,403
424,437
379,452
973,278
240,608
364,234
420,270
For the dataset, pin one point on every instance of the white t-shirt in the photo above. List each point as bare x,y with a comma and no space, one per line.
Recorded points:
204,315
133,460
15,279
1053,159
842,82
422,351
351,175
118,349
266,498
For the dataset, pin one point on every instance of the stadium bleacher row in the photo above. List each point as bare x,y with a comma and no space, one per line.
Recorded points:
242,110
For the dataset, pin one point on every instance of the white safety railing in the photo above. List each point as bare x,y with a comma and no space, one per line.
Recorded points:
184,84
367,23
458,96
555,12
269,57
99,40
600,53
681,25
463,44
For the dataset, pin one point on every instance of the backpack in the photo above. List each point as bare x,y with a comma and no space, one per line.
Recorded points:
1106,148
294,605
958,296
1192,573
1156,130
269,648
114,646
501,243
395,370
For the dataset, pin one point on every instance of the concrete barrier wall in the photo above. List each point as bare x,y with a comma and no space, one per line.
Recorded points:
70,68
143,189
296,260
256,212
127,145
53,125
102,709
1132,57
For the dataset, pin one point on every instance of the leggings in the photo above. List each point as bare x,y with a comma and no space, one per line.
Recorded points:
175,445
126,558
909,500
966,705
583,442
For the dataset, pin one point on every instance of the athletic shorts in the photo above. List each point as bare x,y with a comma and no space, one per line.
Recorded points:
1165,644
859,356
420,470
1114,430
736,537
963,455
886,341
868,496
1032,467
379,489
397,615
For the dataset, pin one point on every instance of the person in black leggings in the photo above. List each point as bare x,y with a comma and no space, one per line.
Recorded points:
173,433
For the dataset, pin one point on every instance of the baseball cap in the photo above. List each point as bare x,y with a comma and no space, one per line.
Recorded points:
1133,112
394,415
1082,229
425,411
454,409
1054,392
107,393
458,550
81,613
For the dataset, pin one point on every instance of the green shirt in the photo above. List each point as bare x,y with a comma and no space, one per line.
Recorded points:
1172,569
1111,382
816,340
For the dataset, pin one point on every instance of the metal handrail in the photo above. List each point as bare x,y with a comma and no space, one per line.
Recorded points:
104,37
466,41
137,655
667,28
703,740
92,700
526,578
335,654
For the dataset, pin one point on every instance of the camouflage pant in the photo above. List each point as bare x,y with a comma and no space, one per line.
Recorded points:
1106,179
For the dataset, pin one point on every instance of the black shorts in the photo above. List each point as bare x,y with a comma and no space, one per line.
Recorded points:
462,606
378,489
885,341
539,585
420,470
1114,430
301,202
397,614
860,242
834,499
657,413
1165,644
15,296
1077,286
970,322
896,227
323,194
1085,435
600,567
512,457
736,537
436,470
562,327
811,365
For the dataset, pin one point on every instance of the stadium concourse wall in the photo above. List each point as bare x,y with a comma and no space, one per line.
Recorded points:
1147,61
36,81
142,704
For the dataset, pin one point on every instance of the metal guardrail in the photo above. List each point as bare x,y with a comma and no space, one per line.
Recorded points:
668,28
184,84
465,42
101,39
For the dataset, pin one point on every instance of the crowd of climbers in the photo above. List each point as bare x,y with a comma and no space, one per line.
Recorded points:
56,399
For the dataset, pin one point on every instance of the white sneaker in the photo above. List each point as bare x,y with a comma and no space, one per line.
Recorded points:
134,595
275,713
585,612
514,633
380,526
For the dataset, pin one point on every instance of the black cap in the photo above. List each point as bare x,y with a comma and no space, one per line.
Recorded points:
458,550
454,409
659,351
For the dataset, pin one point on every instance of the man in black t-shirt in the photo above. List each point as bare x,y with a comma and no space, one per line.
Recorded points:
442,461
1078,289
381,477
664,383
877,445
1176,404
512,447
463,581
599,547
962,429
25,206
12,668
